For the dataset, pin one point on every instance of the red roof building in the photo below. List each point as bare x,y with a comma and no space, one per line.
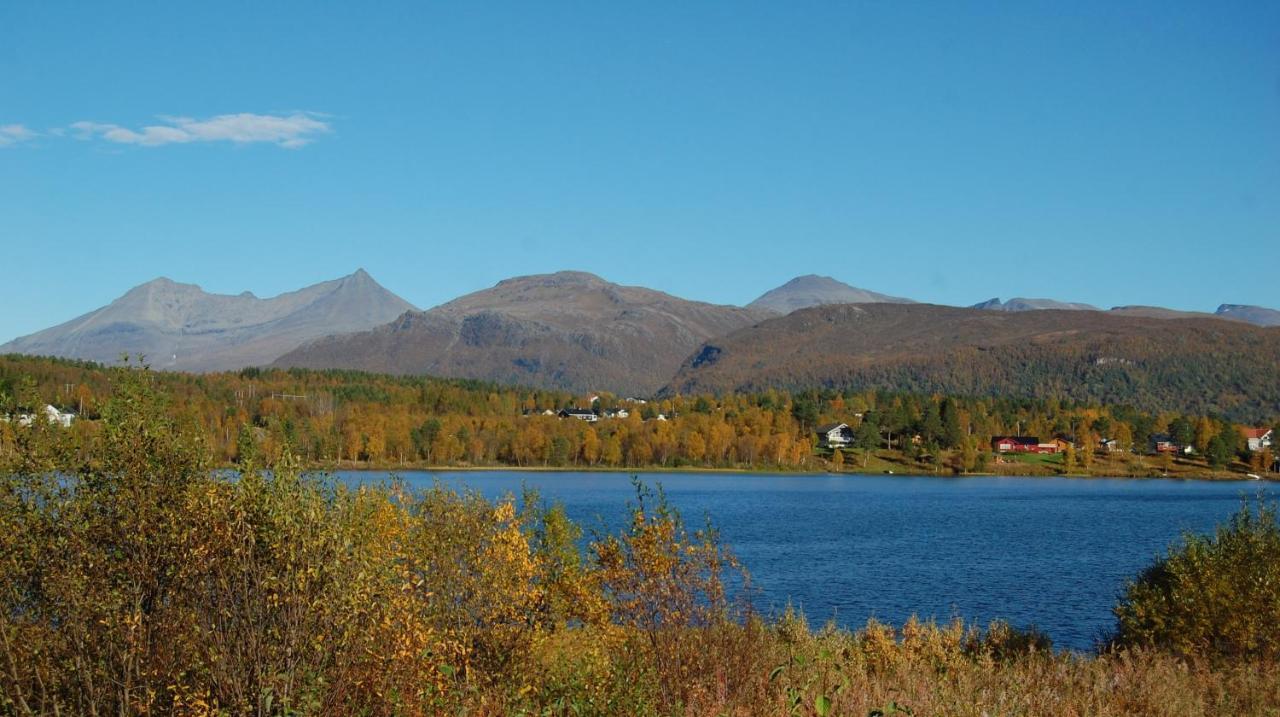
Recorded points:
1021,444
1258,438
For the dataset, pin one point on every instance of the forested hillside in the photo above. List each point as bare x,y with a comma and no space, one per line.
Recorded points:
1190,365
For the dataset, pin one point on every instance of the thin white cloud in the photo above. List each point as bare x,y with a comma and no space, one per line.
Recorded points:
288,131
11,134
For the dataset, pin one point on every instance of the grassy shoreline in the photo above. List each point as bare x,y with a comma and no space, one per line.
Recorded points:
906,471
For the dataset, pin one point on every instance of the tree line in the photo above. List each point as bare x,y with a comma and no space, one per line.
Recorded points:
348,417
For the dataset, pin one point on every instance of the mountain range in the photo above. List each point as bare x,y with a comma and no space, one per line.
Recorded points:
181,327
566,330
574,330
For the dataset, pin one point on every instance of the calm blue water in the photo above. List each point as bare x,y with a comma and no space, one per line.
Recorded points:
1053,552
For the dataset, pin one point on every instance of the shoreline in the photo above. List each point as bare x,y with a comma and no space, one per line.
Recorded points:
331,468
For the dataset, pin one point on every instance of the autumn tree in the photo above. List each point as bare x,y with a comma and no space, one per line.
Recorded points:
867,437
590,447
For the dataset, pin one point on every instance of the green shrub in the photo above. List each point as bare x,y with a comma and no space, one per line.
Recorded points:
1214,596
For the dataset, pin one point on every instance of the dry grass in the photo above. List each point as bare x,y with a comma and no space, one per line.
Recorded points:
921,669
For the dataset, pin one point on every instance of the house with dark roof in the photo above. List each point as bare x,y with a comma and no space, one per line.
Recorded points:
834,435
581,414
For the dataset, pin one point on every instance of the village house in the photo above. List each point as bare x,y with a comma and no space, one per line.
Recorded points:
834,435
1163,443
1110,445
581,414
51,414
1022,444
1258,438
620,413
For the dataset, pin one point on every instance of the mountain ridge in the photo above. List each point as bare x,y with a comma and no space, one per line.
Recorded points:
1019,303
569,329
1256,315
179,326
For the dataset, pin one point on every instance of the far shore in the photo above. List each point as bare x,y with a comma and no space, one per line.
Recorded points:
906,471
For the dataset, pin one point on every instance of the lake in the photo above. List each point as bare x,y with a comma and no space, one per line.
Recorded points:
1049,552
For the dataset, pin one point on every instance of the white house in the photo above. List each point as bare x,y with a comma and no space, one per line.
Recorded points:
834,435
62,418
51,414
1258,438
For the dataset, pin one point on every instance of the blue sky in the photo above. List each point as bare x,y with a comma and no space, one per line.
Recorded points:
1114,153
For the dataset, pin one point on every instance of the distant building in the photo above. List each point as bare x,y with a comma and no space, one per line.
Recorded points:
620,413
1110,445
1022,444
62,418
579,413
1164,443
51,414
1258,438
834,435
